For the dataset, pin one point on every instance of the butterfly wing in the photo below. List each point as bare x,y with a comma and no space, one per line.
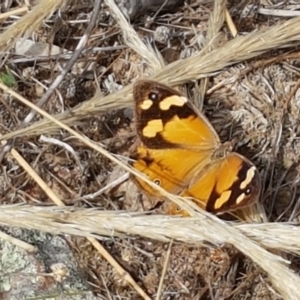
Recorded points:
227,184
176,139
178,152
170,168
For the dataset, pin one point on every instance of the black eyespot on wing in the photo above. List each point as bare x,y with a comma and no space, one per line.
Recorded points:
153,96
248,191
157,182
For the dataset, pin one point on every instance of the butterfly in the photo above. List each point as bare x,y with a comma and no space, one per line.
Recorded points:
180,151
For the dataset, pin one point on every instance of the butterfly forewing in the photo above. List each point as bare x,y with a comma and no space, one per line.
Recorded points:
166,119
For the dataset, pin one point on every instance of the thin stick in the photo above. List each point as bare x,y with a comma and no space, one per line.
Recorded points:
230,23
278,12
164,271
15,241
93,241
18,242
14,12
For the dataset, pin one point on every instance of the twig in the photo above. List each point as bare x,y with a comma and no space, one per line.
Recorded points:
14,12
164,271
81,45
230,23
17,242
67,147
278,12
109,186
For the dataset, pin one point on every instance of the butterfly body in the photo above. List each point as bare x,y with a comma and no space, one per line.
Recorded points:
180,151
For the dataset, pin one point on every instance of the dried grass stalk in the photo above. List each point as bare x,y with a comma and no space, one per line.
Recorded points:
153,58
277,236
29,22
246,237
182,71
216,21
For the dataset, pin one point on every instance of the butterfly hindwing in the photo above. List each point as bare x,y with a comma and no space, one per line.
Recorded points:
172,169
228,184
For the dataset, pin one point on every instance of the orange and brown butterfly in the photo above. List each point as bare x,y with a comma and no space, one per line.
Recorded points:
180,151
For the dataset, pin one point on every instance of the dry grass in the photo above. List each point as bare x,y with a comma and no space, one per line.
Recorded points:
192,68
258,99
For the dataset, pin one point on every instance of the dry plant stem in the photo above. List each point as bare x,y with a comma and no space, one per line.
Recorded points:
79,221
58,202
80,47
66,146
215,23
28,23
37,178
230,23
196,67
159,10
283,279
106,288
278,12
18,242
108,187
164,271
14,12
90,222
11,239
152,57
